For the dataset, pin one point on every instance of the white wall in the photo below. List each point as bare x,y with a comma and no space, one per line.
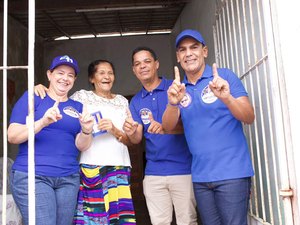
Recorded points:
116,49
288,17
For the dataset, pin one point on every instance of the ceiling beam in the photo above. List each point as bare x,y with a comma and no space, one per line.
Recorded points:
56,25
59,5
93,31
149,22
120,24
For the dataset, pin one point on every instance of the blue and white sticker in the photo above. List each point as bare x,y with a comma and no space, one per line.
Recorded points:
144,113
97,117
208,96
70,111
186,100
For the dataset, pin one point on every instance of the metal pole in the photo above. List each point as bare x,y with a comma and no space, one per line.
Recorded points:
30,118
4,187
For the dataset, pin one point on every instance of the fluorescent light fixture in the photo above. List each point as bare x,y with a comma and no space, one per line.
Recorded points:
109,35
160,32
114,34
133,33
83,36
61,38
121,8
74,37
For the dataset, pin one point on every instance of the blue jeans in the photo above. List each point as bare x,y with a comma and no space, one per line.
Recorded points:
223,202
55,197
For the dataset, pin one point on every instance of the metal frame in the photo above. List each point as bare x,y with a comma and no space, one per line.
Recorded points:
4,186
30,118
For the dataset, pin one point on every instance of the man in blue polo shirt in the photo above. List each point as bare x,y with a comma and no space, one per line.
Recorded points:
212,104
167,179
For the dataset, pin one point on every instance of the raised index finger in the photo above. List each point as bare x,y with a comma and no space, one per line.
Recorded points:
56,103
150,117
215,70
177,75
56,109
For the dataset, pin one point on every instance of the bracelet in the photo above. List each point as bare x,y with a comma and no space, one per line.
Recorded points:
174,105
86,133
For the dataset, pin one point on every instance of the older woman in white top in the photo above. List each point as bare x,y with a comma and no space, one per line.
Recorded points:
105,168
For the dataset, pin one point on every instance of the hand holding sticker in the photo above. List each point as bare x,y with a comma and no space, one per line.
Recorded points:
97,118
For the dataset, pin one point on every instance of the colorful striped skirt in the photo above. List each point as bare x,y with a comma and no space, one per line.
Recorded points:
104,196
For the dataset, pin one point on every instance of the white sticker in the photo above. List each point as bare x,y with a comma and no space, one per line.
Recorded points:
144,113
186,100
70,111
208,96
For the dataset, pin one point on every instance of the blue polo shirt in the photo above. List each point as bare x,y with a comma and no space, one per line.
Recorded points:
215,137
55,150
166,154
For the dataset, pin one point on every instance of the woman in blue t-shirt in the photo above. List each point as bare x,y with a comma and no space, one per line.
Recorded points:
61,128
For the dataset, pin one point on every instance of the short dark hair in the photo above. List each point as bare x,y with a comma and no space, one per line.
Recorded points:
143,48
94,64
93,67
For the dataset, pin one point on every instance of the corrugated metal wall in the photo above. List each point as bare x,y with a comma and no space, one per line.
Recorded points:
244,42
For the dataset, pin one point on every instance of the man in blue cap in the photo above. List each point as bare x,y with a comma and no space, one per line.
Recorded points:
212,104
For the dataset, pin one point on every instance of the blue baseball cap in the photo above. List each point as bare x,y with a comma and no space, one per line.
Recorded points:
64,60
189,33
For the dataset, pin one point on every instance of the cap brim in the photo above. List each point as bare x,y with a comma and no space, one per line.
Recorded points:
188,36
68,64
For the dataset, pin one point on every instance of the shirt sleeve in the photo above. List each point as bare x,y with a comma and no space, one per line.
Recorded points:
236,86
20,110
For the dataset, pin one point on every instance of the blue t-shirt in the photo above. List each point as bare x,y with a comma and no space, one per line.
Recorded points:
215,137
166,154
55,150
